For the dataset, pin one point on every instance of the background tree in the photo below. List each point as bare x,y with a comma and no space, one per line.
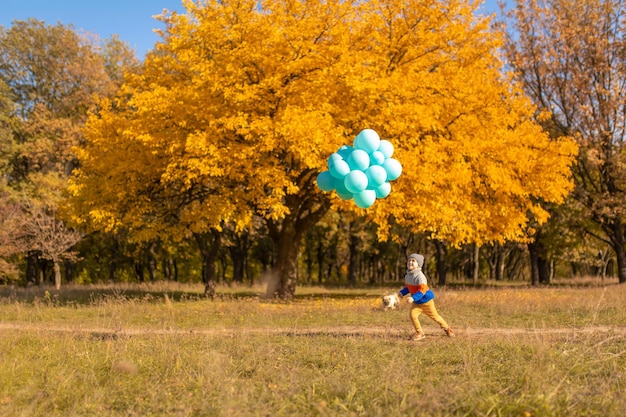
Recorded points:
569,56
50,237
238,109
10,244
50,75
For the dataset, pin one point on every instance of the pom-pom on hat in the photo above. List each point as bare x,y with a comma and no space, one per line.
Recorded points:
419,258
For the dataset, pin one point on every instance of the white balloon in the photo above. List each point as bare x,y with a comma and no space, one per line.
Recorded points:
386,148
393,168
367,140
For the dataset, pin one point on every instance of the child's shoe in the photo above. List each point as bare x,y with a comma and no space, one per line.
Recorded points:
449,332
417,336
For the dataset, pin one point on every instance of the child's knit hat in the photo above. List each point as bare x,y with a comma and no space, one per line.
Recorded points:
419,258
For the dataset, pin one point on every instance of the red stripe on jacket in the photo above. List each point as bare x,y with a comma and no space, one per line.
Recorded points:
417,288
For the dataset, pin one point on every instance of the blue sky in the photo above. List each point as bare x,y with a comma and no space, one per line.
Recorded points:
130,19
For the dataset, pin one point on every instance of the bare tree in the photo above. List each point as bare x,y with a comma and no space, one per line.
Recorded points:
49,236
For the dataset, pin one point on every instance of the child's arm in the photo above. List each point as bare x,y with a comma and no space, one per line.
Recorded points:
422,297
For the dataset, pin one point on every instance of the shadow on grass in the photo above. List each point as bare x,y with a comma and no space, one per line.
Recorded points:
89,295
105,335
156,292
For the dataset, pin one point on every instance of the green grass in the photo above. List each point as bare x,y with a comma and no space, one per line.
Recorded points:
167,351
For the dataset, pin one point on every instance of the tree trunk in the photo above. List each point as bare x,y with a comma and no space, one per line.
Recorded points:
208,244
620,255
476,271
539,263
115,253
616,234
441,252
605,258
169,268
545,270
287,235
152,263
534,264
309,261
41,271
165,266
57,274
499,267
320,262
32,263
238,254
353,258
69,271
284,273
238,268
138,268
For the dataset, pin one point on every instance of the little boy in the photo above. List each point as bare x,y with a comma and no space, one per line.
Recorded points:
421,297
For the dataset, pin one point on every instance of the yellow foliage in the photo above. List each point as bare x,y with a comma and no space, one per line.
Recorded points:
239,107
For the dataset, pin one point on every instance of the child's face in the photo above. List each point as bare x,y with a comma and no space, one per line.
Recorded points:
411,264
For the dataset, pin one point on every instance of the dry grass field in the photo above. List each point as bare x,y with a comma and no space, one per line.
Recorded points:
164,350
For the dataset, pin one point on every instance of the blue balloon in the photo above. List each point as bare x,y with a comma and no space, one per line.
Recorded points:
361,172
383,190
339,168
377,158
345,151
359,160
334,155
376,175
325,181
357,142
393,168
332,158
386,148
367,140
341,190
345,195
365,198
355,181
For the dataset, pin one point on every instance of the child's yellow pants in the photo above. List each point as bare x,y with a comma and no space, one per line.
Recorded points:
428,309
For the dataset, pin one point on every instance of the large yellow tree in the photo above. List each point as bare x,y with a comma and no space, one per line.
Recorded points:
239,107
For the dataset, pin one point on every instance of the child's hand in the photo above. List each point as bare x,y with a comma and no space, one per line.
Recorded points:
409,300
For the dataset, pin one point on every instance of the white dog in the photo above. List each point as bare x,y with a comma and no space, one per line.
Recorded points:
391,302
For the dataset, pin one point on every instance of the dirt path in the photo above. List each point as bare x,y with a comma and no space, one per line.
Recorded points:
339,331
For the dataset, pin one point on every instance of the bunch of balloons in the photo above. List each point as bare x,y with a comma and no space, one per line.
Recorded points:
361,172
